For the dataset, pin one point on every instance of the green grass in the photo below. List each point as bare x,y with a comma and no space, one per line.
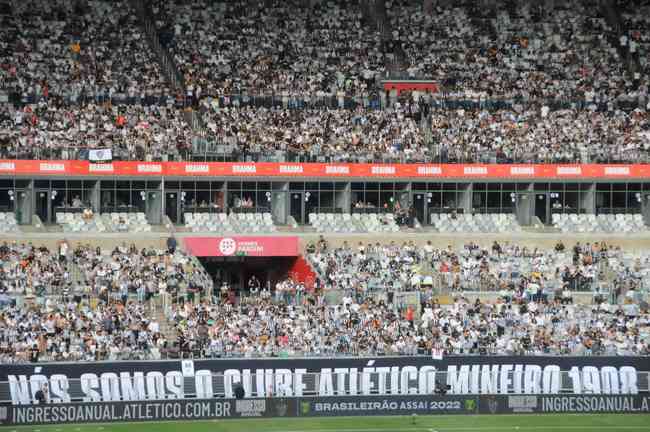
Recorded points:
469,423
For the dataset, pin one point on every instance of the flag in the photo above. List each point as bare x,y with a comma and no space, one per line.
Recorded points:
100,155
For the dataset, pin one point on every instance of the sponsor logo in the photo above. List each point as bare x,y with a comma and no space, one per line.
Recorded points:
196,169
48,166
107,167
470,405
244,169
149,168
429,170
227,246
475,170
7,166
382,170
337,169
522,171
522,403
617,170
569,171
291,169
305,407
251,407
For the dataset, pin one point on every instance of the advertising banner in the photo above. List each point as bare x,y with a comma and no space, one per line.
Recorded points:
387,405
568,403
254,246
280,407
395,376
163,410
325,170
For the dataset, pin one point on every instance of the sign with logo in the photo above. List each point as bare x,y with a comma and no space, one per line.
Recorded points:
151,410
387,405
256,246
565,403
323,170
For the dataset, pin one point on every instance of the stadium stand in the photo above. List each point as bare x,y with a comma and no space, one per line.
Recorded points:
289,80
486,223
107,222
239,223
353,223
623,223
8,223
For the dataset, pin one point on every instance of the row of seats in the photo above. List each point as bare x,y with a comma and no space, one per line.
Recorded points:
607,223
107,222
233,223
8,223
353,223
486,223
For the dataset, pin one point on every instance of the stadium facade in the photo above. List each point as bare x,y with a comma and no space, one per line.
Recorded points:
43,188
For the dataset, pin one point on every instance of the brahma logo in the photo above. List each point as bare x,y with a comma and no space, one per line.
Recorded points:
100,167
569,171
48,166
227,246
7,166
291,169
383,170
617,170
337,169
194,169
429,170
475,170
149,168
522,171
244,169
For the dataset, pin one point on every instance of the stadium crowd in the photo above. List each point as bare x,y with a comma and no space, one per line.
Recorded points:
76,50
503,91
109,313
333,135
88,304
508,326
509,269
55,130
537,134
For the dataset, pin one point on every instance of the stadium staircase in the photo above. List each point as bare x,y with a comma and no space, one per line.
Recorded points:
615,20
165,59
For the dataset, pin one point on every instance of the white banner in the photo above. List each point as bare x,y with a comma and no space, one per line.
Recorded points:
100,155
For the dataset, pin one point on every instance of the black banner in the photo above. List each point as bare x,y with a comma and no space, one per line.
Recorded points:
206,409
395,376
566,403
75,370
387,405
106,412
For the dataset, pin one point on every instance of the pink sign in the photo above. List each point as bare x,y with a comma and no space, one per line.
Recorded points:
258,246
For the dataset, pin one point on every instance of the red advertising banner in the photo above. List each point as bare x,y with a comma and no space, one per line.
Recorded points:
325,170
410,85
256,246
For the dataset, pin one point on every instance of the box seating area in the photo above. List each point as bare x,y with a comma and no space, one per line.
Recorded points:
485,223
606,223
234,223
353,223
107,222
8,223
